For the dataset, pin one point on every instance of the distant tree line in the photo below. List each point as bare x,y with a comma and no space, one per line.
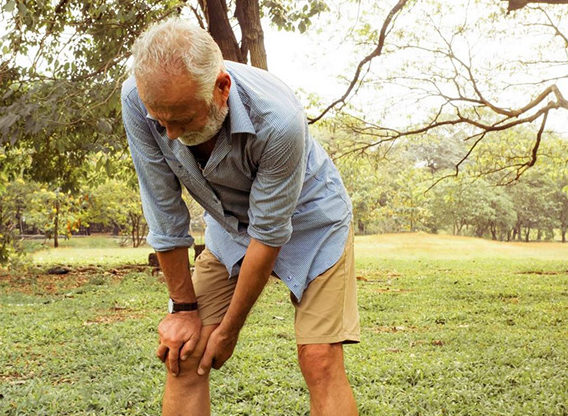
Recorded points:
103,199
407,187
415,187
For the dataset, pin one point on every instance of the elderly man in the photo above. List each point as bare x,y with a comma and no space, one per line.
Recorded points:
238,140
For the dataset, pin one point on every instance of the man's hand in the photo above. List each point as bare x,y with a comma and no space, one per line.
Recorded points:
219,349
179,333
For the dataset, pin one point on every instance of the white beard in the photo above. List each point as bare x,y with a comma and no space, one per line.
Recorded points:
215,120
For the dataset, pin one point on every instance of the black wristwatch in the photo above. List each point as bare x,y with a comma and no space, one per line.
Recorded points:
174,307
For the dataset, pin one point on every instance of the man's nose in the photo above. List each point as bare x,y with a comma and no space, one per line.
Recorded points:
173,132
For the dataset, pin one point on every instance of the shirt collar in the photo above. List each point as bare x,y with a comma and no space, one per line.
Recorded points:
240,120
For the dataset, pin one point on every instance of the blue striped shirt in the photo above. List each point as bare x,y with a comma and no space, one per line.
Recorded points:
266,178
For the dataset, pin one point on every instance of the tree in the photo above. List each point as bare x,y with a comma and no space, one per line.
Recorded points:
503,217
12,204
519,4
366,187
451,80
114,202
561,199
14,192
435,152
54,211
410,199
533,198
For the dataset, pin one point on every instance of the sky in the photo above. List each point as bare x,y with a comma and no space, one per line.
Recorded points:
312,62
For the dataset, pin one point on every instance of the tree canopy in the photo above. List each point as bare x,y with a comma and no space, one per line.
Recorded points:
471,86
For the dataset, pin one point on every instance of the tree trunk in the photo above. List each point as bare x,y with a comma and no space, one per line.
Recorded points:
527,234
133,229
215,12
519,4
56,226
493,229
563,235
20,222
248,15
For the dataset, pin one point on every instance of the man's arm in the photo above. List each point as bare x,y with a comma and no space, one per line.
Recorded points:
179,332
168,221
273,199
255,271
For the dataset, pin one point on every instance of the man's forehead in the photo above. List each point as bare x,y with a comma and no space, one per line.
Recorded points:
170,114
167,92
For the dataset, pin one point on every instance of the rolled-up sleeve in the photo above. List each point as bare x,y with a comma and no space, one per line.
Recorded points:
160,190
278,183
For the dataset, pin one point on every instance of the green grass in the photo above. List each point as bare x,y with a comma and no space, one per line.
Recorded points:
450,326
94,250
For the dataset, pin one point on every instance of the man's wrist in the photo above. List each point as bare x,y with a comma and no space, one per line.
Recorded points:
229,331
175,307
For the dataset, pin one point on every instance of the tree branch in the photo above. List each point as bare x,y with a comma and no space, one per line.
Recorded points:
377,52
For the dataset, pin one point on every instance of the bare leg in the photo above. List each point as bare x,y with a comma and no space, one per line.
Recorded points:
188,393
324,372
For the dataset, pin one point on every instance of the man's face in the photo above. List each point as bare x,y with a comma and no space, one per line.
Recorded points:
174,104
215,119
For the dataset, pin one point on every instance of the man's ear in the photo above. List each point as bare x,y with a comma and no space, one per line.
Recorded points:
223,85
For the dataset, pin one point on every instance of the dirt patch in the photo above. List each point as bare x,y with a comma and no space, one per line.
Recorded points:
16,378
544,273
112,315
40,282
391,329
389,290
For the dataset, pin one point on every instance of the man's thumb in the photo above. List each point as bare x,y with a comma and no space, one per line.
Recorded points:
205,364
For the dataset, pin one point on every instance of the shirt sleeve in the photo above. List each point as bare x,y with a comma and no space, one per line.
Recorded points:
278,183
160,190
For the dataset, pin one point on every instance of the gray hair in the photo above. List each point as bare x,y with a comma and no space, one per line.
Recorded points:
176,47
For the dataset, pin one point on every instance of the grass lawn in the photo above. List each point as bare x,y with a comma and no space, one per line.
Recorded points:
451,326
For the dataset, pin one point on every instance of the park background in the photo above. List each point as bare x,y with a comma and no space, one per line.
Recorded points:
448,124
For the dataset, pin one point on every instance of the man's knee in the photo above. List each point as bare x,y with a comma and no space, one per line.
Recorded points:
188,368
320,362
189,365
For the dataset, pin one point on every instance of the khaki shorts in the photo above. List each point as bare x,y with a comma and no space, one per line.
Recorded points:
327,313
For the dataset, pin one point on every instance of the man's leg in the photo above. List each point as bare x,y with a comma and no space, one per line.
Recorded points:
324,372
327,317
188,393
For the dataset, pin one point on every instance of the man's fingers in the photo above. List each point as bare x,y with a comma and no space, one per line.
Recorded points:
188,348
218,363
161,352
205,364
173,361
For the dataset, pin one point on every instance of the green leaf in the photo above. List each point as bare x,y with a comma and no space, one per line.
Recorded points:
9,7
7,121
104,126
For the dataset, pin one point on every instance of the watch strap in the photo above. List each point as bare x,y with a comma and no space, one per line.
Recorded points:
181,307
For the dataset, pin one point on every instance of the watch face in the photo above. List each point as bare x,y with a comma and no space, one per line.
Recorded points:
171,306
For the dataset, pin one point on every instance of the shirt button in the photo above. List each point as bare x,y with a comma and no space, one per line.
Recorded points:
289,278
